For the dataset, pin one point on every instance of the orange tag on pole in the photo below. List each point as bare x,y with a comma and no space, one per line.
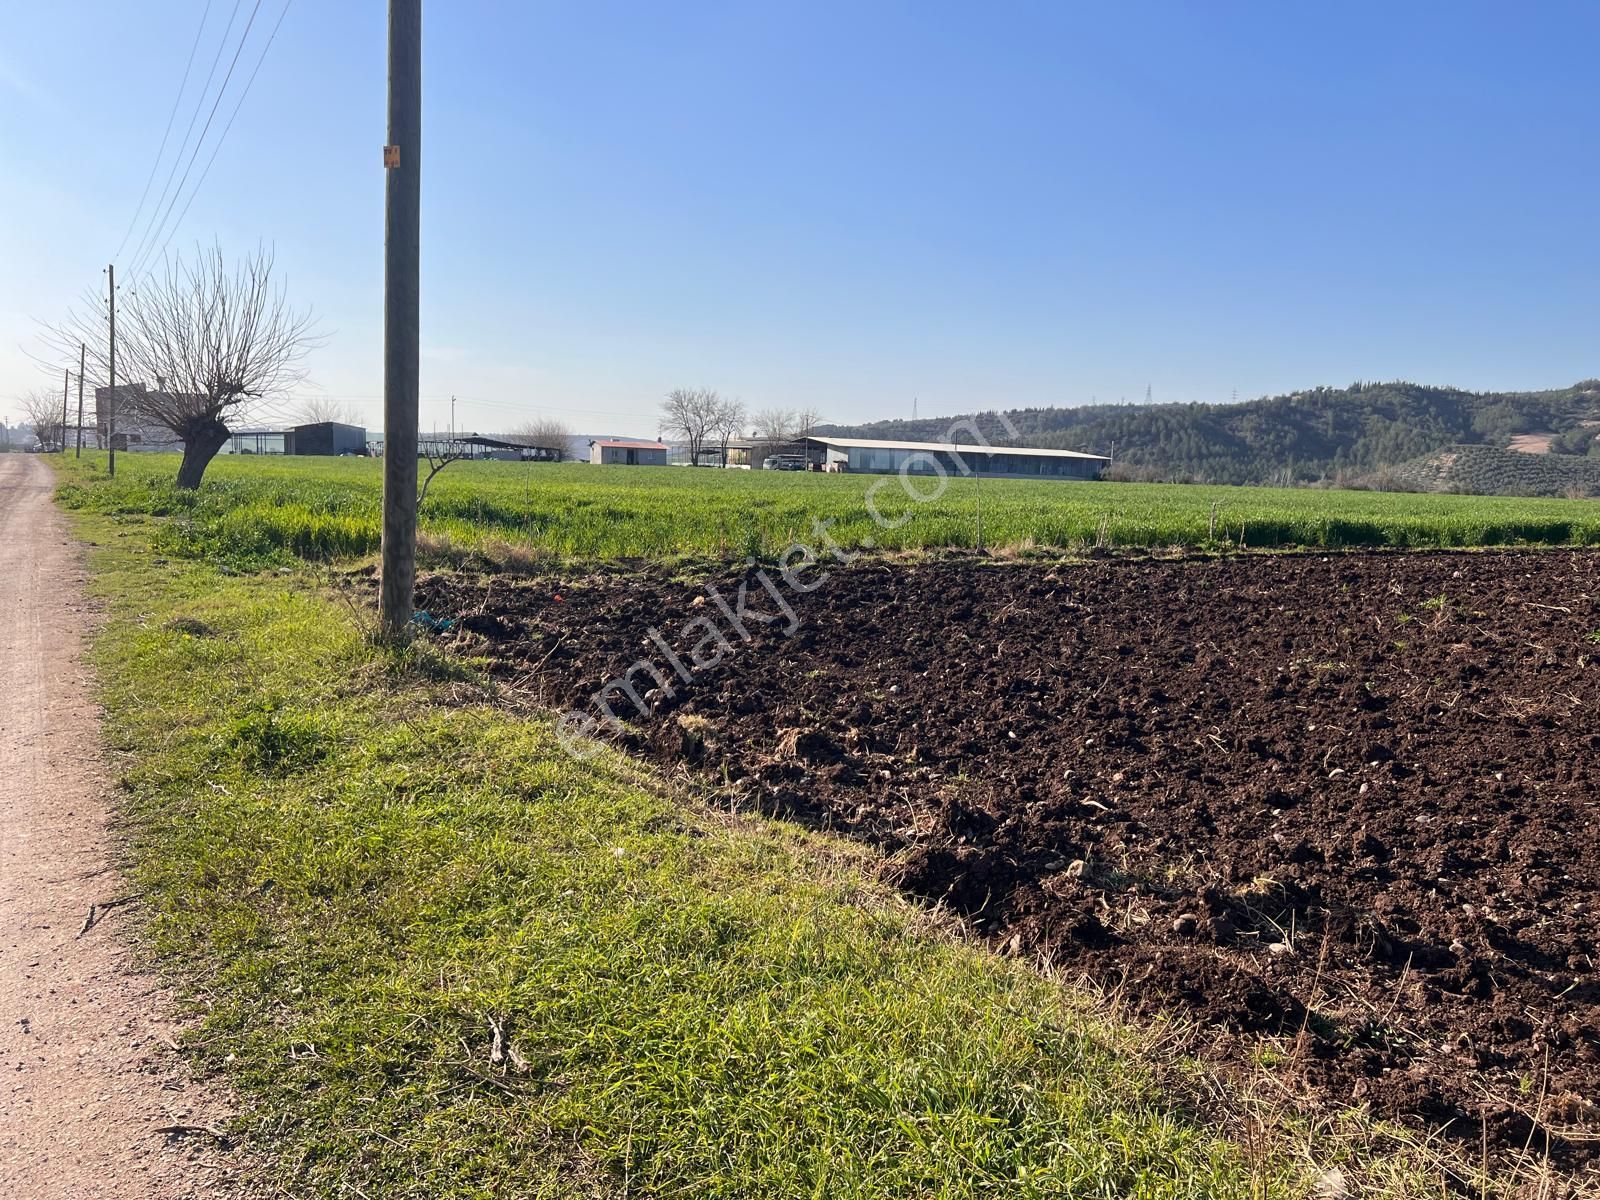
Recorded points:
391,157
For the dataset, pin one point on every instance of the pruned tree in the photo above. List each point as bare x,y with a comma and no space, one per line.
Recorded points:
543,431
690,415
321,410
198,345
42,410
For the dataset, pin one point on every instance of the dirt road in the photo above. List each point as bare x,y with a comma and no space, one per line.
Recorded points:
89,1079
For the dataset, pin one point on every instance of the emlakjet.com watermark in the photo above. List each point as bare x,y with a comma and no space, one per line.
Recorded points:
763,600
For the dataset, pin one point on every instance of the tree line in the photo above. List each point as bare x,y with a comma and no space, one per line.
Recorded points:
702,420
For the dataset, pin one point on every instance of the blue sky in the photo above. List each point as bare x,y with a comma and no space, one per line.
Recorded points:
848,205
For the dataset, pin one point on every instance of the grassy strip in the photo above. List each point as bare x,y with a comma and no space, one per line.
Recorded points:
364,878
259,511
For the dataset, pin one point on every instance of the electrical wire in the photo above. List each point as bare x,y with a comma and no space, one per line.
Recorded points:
166,134
223,136
199,103
201,141
510,406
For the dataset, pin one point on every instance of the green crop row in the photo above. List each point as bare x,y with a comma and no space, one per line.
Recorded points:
256,510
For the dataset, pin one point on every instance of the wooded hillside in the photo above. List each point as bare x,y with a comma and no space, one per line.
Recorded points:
1305,436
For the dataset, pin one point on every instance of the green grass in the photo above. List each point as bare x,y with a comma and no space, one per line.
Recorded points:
255,511
360,868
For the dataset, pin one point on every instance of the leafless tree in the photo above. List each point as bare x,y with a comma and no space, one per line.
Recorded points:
543,431
318,410
779,427
209,338
42,410
691,415
726,424
440,453
773,426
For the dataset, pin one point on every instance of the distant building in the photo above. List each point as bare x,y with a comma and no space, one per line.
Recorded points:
619,452
127,423
930,458
259,441
738,452
326,438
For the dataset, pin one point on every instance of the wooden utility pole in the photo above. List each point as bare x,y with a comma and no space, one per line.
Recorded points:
66,383
111,382
83,354
402,211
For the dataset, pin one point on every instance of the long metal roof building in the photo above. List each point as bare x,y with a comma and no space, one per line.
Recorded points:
1021,462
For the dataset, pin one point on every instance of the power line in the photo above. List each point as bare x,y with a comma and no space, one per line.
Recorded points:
193,117
510,406
223,136
211,116
166,133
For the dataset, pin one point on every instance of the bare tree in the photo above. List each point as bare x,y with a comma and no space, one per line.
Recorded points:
42,410
440,453
806,421
726,424
546,432
773,426
210,339
319,410
691,415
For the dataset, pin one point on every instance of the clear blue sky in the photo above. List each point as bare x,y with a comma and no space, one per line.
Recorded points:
845,205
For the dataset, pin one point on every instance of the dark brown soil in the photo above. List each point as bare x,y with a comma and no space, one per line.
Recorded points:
1340,810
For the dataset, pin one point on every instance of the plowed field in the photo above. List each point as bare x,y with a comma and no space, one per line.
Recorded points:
1341,811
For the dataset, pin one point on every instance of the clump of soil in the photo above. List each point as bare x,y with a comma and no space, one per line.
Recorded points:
1344,804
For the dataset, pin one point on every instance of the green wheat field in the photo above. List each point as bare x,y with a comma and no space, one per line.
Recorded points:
254,511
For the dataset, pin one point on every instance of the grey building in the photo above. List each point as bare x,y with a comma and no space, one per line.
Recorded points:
326,438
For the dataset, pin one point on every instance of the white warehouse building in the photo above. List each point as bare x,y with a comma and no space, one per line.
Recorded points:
871,456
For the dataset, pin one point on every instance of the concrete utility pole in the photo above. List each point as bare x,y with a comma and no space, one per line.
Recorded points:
83,353
402,160
111,382
66,382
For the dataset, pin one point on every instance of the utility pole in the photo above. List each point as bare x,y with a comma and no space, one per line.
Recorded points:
66,382
83,353
111,382
401,280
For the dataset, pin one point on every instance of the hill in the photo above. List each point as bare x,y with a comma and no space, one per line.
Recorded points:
1320,434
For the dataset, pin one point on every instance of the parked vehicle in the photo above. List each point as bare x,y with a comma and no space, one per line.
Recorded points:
784,462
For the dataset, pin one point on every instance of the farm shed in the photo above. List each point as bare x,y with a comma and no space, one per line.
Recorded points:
326,438
615,451
928,458
477,445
